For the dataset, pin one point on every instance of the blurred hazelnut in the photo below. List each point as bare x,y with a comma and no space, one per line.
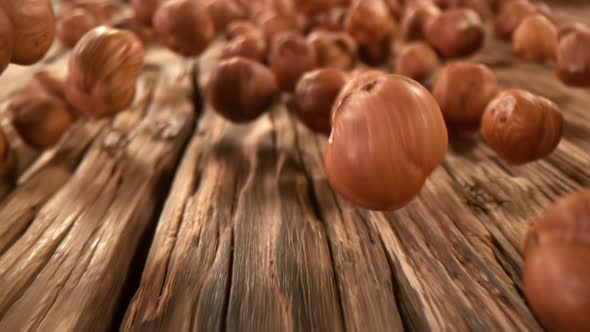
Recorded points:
239,28
565,29
311,7
273,24
387,136
510,15
369,21
334,49
40,119
184,26
223,12
241,89
535,39
413,24
463,90
397,7
315,94
573,58
482,7
417,61
98,83
331,19
6,40
33,24
102,10
522,127
376,54
249,46
456,32
145,10
73,25
556,269
42,81
145,33
290,57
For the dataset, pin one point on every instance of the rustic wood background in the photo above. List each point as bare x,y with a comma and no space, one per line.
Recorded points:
168,218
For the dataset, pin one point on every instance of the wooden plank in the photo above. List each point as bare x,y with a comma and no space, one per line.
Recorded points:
66,271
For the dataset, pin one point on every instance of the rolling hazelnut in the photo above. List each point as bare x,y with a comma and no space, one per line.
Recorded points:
334,49
290,57
510,15
223,12
241,89
535,39
98,83
145,10
556,255
463,90
456,32
522,127
573,58
369,21
417,61
40,119
33,25
6,40
315,94
413,23
184,26
249,46
387,136
73,25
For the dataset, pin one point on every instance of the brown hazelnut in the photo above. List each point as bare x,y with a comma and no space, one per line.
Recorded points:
241,89
223,12
331,19
397,7
521,127
377,54
358,78
145,10
413,24
145,33
556,269
98,83
6,40
369,21
463,90
456,32
315,94
334,49
570,27
417,61
43,81
249,46
510,15
290,57
33,26
387,136
102,10
273,24
482,7
573,58
40,119
311,7
535,39
184,26
73,25
239,28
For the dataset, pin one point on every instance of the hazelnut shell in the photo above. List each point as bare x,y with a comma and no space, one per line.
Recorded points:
535,39
334,49
417,61
456,32
290,57
73,25
573,58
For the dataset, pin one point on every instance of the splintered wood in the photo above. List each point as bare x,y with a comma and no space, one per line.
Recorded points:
242,231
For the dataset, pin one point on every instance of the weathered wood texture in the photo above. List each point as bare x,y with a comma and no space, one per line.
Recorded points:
251,236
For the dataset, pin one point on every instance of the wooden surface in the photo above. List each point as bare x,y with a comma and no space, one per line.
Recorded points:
166,219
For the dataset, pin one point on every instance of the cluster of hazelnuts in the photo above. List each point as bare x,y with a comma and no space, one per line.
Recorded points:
387,132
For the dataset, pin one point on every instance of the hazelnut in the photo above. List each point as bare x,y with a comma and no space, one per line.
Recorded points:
358,78
241,89
388,135
463,90
239,28
73,25
42,81
521,127
33,25
334,49
331,19
397,7
311,7
6,40
273,24
184,26
290,57
417,61
482,7
145,9
144,32
315,94
98,83
556,269
565,29
510,15
413,24
369,21
377,54
40,119
223,12
249,46
535,39
573,58
456,32
102,10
